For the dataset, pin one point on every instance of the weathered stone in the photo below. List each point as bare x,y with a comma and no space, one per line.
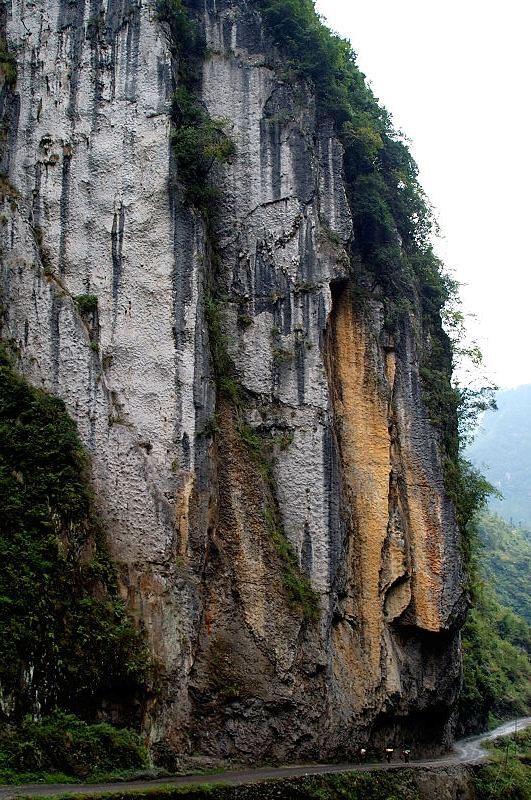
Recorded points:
354,464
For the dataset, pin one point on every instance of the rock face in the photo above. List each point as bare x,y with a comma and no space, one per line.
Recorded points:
352,468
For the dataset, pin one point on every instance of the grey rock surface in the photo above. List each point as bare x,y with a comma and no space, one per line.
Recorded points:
355,463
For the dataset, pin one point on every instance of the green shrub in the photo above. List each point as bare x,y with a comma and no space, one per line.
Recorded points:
64,634
508,776
496,666
198,143
253,442
86,303
8,66
186,37
62,743
227,382
245,320
282,356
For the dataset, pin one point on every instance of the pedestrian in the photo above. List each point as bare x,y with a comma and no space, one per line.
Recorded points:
406,754
363,754
389,754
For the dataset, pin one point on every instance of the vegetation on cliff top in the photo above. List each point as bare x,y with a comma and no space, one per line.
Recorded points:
65,639
392,217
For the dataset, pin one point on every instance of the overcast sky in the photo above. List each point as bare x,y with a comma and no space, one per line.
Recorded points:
456,76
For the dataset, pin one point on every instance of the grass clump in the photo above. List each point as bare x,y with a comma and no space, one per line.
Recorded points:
199,142
296,585
284,440
509,773
63,747
65,637
282,356
86,303
245,320
7,189
8,66
227,381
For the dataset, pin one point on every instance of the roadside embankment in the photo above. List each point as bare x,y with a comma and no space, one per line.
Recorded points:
443,783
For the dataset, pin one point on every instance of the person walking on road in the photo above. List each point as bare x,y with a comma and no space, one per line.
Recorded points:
389,754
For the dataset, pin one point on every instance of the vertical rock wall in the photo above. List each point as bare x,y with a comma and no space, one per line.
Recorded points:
353,474
95,214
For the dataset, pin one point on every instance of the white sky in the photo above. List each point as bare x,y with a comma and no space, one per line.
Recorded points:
456,75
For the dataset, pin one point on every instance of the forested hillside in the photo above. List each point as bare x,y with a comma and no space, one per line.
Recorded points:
506,562
497,639
502,450
497,635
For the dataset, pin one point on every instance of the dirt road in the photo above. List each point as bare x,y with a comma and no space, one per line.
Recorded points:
466,751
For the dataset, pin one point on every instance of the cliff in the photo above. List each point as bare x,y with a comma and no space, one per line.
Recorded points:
265,468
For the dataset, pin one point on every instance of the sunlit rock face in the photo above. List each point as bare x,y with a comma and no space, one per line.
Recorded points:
353,465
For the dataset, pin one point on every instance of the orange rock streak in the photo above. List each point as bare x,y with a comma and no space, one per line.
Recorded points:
362,418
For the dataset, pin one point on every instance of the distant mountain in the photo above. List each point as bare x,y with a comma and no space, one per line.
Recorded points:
497,633
506,562
502,450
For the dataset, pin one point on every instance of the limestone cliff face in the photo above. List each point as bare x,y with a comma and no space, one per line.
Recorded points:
353,476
